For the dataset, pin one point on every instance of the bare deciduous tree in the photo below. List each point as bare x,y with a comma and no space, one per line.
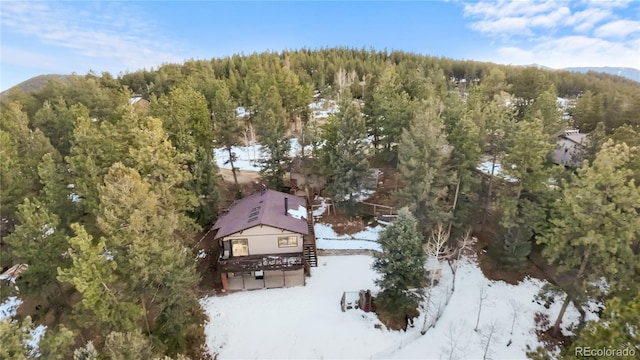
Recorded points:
482,298
488,335
454,349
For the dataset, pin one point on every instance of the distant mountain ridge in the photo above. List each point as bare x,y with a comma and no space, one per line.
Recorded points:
36,83
625,72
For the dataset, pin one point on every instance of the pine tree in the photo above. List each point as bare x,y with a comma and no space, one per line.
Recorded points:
87,352
525,161
390,111
597,226
226,125
39,242
56,120
275,148
16,339
498,118
56,344
545,107
347,163
589,111
128,346
57,191
205,186
106,305
157,269
21,151
13,336
462,136
617,328
423,161
400,264
272,127
516,246
165,168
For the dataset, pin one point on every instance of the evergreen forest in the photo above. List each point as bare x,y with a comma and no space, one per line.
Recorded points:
104,197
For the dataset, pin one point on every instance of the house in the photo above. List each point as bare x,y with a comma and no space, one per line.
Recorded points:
267,241
139,103
12,274
570,148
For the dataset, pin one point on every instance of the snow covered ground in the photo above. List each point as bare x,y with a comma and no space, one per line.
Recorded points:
248,156
9,306
486,166
306,321
8,310
323,108
326,237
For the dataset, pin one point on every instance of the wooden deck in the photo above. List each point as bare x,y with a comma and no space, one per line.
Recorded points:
291,261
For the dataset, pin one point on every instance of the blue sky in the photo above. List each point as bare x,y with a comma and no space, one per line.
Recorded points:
66,37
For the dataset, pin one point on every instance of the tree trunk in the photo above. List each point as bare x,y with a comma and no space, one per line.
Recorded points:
486,202
453,271
233,168
486,349
556,326
453,209
583,267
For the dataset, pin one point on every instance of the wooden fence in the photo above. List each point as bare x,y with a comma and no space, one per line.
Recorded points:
378,210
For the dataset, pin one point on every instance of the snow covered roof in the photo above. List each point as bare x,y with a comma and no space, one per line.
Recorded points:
264,208
13,272
575,136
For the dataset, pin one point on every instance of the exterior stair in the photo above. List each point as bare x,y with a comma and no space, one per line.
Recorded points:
309,248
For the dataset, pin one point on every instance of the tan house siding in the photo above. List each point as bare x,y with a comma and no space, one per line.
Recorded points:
264,240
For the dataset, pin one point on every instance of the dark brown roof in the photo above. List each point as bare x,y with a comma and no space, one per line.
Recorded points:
262,208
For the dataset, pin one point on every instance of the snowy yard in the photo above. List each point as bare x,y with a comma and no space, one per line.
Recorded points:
327,239
306,322
248,156
303,322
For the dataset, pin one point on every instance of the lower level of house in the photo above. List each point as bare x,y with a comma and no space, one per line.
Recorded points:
260,279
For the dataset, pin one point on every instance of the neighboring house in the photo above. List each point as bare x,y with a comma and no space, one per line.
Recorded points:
267,241
139,103
570,148
12,274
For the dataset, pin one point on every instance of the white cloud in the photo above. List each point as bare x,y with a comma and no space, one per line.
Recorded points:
502,8
586,19
618,28
510,25
572,51
557,33
108,33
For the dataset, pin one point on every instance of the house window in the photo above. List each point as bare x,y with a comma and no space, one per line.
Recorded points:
259,274
240,247
287,241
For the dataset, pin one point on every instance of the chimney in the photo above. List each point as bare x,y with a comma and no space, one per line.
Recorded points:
286,205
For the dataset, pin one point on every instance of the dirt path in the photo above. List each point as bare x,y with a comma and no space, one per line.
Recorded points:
244,176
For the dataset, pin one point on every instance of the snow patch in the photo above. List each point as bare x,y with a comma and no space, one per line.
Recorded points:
299,213
248,157
326,238
486,166
8,307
